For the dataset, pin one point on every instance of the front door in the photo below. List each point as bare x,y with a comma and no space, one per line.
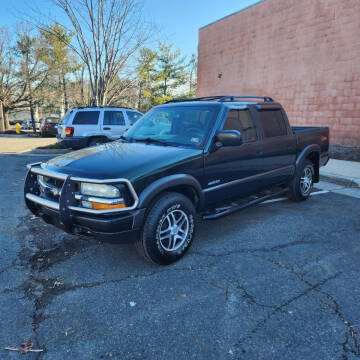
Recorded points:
232,171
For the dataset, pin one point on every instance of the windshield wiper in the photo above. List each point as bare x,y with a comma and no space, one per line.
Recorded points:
151,140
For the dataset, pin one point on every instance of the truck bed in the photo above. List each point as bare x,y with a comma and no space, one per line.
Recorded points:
301,129
319,135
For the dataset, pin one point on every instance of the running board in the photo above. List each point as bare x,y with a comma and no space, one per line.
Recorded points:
232,209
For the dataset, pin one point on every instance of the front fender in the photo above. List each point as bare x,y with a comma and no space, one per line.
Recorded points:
168,182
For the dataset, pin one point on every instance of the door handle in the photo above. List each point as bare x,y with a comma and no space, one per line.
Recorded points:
106,128
259,153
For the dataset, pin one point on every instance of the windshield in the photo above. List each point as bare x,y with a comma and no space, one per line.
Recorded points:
178,125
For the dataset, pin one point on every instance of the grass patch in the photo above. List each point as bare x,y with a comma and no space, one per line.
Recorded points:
56,145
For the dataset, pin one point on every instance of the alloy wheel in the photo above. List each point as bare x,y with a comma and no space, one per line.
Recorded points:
174,229
306,180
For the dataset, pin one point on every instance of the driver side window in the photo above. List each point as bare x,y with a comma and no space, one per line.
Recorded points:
241,121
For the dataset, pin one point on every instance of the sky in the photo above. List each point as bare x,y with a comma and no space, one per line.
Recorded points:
178,21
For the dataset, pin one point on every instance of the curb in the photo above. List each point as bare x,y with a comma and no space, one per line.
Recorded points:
340,180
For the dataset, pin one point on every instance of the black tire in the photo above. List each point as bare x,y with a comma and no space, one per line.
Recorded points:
297,189
96,141
156,247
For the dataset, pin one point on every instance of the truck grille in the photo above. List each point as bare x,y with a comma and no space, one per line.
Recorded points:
50,188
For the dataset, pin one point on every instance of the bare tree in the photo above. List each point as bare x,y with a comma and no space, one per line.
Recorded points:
31,70
106,34
192,70
12,89
2,124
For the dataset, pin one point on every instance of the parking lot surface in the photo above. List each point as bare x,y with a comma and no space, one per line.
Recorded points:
276,281
12,144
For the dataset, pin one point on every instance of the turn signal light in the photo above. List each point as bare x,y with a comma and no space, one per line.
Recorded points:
69,131
101,206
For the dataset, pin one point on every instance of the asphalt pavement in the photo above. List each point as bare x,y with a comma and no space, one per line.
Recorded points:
276,281
12,144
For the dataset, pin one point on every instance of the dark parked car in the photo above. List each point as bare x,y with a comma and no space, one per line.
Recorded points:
208,156
49,126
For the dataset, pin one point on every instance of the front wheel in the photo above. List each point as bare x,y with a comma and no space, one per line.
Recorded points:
301,186
168,230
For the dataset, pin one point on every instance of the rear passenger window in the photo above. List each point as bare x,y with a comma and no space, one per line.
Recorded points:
133,116
114,118
241,120
86,118
273,123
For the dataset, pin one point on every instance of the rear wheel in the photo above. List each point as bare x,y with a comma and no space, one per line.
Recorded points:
301,186
168,230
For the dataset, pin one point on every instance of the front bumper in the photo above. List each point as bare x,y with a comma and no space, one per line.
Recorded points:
75,142
106,225
119,229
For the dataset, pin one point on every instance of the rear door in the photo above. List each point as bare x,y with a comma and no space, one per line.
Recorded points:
85,122
113,123
233,171
278,144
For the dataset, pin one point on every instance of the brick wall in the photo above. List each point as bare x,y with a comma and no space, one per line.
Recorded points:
305,54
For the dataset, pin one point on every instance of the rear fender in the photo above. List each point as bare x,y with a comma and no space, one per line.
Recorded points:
311,152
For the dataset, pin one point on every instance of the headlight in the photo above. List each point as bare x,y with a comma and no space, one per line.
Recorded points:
101,197
100,190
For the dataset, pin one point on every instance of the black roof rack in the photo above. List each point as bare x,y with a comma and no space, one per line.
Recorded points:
107,106
223,98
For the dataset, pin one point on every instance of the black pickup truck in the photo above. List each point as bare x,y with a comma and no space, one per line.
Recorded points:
207,156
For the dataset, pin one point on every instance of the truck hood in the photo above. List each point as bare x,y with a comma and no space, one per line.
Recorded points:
121,160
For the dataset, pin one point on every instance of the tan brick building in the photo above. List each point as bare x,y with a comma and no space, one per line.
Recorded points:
305,54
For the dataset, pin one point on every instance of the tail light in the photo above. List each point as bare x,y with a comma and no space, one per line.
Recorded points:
324,138
69,131
47,125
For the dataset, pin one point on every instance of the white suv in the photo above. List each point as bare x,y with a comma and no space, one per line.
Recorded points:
88,126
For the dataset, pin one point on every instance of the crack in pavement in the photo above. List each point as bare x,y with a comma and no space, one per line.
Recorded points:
262,322
263,250
274,248
43,291
350,334
246,294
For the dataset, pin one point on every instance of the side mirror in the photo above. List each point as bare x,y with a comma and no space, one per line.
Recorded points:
228,138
